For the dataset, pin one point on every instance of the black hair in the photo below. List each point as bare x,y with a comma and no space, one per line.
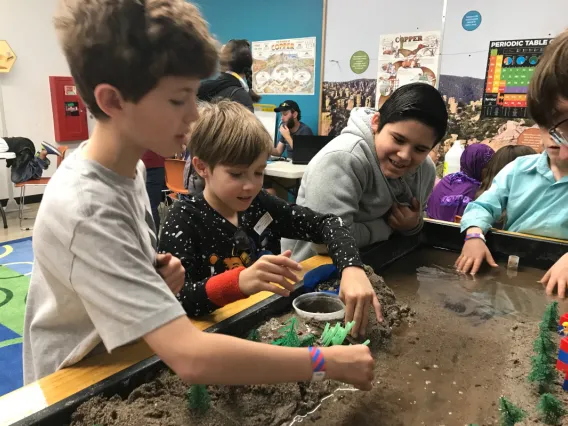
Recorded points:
236,56
416,101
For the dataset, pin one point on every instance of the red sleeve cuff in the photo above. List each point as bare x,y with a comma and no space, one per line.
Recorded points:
223,289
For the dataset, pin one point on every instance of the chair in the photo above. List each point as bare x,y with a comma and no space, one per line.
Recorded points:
174,177
35,182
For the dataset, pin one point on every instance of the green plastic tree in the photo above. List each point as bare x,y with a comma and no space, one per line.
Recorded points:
254,335
288,335
308,340
542,372
198,398
550,318
335,335
510,413
544,345
551,409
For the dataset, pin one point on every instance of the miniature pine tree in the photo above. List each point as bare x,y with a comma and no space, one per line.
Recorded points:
198,398
288,335
550,317
510,413
542,372
551,409
544,345
254,335
308,340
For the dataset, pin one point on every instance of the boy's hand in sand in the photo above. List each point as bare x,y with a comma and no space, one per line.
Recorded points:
171,270
557,276
268,271
358,294
474,252
404,218
350,364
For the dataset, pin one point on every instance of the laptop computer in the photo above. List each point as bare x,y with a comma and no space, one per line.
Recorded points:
307,146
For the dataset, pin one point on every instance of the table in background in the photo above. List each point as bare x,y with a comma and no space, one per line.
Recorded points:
282,172
7,156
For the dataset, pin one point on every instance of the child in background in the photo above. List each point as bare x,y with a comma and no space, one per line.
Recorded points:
502,157
227,237
435,157
97,280
28,163
532,189
452,195
155,182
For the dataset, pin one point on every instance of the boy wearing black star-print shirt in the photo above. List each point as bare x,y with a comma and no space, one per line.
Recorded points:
228,237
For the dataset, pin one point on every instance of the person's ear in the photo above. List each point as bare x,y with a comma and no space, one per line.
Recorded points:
375,121
200,167
295,115
109,99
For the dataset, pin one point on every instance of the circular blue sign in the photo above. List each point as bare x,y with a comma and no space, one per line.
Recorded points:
471,20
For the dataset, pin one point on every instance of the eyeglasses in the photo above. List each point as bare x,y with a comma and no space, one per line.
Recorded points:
559,136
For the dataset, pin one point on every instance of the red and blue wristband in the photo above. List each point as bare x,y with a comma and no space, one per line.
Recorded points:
318,364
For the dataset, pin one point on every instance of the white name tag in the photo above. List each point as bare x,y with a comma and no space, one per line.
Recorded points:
263,223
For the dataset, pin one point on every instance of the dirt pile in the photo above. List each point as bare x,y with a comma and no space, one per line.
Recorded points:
162,402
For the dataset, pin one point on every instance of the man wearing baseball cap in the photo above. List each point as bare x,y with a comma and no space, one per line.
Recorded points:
290,125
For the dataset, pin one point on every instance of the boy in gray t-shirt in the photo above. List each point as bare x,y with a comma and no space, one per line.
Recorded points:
96,276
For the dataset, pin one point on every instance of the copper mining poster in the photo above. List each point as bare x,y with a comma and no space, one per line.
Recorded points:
284,66
407,58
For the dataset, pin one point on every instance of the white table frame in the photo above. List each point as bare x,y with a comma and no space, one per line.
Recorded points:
286,170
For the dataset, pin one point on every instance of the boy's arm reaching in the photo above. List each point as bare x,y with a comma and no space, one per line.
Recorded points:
126,299
301,223
197,296
557,276
487,209
479,217
209,358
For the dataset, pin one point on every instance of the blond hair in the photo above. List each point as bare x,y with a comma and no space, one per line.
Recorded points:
227,133
549,82
132,44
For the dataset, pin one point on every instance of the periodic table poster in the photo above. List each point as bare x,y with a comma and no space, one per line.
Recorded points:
510,66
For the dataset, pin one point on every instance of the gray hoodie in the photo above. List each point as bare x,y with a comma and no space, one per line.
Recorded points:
345,179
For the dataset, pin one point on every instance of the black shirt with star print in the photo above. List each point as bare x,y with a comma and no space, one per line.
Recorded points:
208,244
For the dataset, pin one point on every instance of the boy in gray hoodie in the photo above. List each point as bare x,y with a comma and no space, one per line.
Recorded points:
377,175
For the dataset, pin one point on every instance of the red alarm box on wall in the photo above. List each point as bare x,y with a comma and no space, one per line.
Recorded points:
69,111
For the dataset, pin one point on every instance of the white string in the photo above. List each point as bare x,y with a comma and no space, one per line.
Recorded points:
299,418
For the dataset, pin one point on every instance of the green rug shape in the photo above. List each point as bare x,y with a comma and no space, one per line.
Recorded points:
13,292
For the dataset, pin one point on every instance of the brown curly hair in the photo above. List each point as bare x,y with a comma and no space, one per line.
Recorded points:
132,44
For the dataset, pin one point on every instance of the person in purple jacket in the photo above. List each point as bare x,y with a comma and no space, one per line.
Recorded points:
453,193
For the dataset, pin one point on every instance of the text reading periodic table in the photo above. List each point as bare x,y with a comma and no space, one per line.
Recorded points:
510,66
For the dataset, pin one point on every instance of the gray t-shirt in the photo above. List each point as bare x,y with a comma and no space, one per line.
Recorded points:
304,129
93,276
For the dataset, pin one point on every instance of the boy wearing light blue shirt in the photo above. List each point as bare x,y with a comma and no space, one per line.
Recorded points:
536,202
532,190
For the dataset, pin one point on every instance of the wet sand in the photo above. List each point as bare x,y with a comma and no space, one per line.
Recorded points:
471,343
466,342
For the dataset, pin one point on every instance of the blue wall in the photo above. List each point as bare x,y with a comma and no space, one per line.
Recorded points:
258,20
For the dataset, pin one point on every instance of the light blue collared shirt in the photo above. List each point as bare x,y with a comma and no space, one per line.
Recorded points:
534,201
